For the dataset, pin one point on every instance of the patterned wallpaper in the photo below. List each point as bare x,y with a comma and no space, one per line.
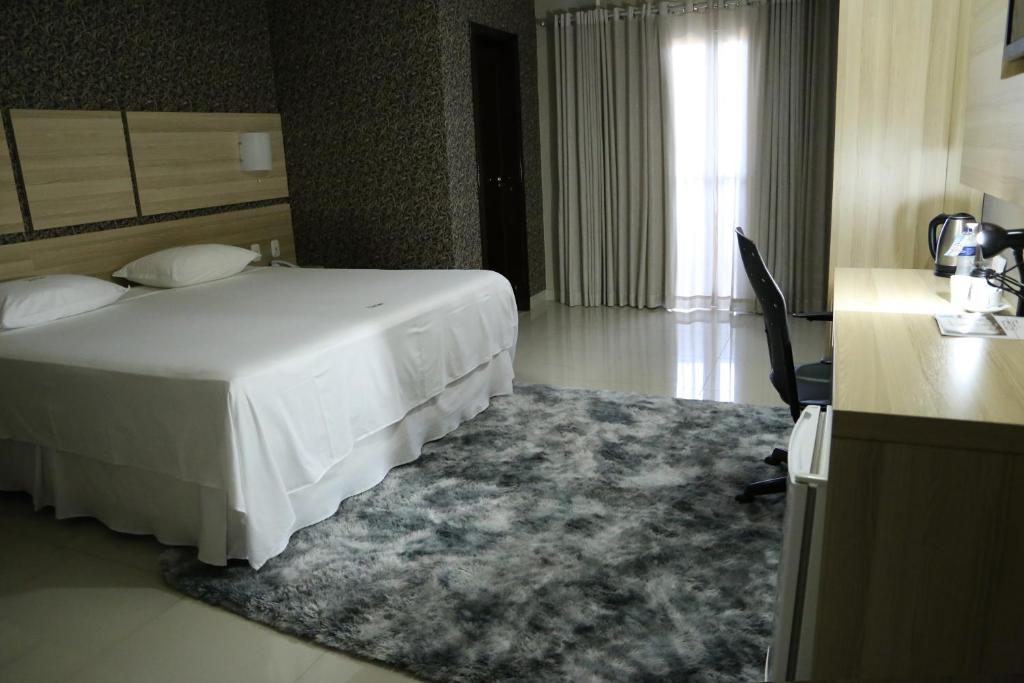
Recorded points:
377,104
513,16
360,96
211,55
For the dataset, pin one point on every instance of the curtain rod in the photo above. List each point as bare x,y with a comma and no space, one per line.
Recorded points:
656,8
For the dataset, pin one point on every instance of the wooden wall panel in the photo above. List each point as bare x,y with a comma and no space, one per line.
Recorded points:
10,210
921,564
899,98
75,166
959,193
190,160
993,157
102,252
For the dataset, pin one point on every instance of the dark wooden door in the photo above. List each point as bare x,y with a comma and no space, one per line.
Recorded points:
499,155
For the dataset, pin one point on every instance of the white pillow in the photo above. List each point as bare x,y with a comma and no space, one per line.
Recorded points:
38,300
183,266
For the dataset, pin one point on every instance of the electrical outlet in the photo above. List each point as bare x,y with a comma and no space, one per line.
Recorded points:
275,249
255,248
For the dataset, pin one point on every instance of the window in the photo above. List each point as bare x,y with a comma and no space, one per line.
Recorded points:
708,87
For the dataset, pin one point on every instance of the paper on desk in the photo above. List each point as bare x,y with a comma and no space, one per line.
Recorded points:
1012,326
980,325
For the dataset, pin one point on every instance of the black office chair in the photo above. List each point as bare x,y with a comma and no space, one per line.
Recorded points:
799,387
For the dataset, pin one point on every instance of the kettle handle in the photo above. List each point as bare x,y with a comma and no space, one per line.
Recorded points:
932,232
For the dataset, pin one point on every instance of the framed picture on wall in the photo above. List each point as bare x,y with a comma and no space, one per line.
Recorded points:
1013,51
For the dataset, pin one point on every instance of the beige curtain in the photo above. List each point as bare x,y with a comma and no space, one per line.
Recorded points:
613,247
792,204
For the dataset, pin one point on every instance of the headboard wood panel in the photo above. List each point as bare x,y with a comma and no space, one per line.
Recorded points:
190,160
10,210
75,166
101,253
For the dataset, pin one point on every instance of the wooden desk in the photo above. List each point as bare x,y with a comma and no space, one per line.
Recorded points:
923,559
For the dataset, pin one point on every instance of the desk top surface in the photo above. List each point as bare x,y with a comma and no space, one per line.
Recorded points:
893,370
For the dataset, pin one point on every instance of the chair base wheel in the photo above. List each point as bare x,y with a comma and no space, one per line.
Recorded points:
760,488
779,456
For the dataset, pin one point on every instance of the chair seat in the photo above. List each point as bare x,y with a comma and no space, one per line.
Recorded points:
814,383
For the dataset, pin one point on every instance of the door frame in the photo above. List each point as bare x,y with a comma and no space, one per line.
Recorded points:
480,30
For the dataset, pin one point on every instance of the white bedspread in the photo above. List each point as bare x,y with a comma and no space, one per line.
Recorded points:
256,384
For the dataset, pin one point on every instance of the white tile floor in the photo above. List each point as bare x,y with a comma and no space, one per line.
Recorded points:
710,355
81,603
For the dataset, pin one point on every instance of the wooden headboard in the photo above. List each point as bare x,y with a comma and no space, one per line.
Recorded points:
176,162
102,252
74,165
10,211
190,160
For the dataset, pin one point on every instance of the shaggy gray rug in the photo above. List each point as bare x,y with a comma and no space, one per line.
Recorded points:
562,535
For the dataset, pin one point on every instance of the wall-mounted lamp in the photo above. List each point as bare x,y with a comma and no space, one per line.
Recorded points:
254,151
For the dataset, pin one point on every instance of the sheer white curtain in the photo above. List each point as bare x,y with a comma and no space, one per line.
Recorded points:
709,61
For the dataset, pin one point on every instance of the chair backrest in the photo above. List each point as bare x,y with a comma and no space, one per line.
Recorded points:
776,325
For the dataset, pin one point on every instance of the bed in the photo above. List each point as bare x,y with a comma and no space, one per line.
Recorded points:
229,415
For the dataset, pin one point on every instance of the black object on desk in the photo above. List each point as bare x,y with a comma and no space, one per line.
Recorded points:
993,239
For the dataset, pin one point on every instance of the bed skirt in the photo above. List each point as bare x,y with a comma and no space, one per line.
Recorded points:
137,501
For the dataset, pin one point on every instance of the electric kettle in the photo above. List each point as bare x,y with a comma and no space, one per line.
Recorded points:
942,232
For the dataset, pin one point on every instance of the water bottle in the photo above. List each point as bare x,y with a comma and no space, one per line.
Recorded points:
960,283
968,252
